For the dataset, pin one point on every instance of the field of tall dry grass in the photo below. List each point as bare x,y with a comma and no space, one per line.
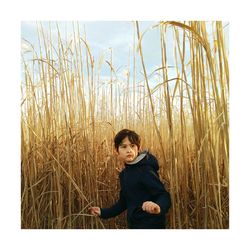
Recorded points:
69,117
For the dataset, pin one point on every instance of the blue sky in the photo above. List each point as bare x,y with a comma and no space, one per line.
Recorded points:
118,35
103,35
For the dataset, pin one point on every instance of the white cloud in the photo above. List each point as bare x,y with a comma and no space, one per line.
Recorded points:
25,47
121,40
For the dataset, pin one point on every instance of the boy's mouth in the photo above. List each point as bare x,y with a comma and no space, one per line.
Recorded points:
129,155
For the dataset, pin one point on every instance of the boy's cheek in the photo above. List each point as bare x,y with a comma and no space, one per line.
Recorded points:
120,157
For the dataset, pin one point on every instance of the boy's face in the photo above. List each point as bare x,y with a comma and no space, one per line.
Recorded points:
127,151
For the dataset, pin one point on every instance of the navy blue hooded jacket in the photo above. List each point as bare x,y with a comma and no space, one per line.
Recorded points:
140,182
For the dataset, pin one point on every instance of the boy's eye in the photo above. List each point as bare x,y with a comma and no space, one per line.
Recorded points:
125,146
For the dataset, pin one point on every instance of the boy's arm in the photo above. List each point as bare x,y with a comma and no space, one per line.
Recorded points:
116,209
152,182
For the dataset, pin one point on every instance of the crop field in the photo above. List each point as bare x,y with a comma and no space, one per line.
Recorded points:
70,114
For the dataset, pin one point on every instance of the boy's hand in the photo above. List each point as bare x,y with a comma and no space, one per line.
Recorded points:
151,207
96,211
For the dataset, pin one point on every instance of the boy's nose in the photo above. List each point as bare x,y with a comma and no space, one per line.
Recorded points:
129,149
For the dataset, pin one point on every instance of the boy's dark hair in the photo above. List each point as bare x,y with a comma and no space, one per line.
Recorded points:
132,136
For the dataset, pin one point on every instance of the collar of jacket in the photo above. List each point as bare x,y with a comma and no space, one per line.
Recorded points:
138,158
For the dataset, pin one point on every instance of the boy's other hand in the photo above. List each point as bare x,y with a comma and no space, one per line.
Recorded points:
151,207
96,211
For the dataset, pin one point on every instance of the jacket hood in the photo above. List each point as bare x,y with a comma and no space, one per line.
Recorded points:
145,158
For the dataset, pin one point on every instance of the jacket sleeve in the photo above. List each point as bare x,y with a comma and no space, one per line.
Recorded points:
116,209
156,189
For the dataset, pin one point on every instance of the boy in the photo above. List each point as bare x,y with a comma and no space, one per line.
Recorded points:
142,193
